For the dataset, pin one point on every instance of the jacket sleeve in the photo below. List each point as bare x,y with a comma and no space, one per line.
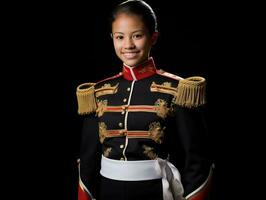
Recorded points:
191,143
90,157
195,164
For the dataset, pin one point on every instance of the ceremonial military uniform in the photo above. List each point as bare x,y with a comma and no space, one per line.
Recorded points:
142,114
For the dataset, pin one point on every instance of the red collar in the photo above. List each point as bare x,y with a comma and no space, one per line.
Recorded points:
140,71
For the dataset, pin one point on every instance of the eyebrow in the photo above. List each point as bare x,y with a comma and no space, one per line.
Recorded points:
124,33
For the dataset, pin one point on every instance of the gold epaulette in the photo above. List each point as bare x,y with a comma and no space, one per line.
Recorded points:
86,98
191,92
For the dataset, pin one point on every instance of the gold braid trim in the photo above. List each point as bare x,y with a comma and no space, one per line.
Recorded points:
191,92
86,98
163,88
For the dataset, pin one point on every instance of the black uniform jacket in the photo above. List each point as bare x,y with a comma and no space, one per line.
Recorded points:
144,113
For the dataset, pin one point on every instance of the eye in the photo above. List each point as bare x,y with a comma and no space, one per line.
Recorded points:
119,37
137,36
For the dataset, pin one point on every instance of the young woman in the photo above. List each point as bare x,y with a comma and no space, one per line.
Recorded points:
143,136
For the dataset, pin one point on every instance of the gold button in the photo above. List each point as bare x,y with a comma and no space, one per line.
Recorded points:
120,124
124,100
128,89
121,146
122,159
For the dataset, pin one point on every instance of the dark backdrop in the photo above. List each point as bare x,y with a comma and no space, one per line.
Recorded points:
57,46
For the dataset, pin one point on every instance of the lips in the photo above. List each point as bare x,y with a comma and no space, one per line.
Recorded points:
130,55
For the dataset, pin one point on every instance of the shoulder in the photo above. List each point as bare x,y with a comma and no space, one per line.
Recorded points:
168,75
189,92
89,86
111,78
87,91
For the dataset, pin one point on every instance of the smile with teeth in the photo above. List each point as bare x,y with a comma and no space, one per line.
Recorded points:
130,54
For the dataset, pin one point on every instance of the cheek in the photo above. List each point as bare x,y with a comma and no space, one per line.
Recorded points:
143,44
117,46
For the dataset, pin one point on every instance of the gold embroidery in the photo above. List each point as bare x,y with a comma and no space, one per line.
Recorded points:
163,88
102,131
106,89
161,108
102,105
107,152
156,132
142,71
167,84
149,152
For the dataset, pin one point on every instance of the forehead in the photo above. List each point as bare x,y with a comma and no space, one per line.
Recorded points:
125,22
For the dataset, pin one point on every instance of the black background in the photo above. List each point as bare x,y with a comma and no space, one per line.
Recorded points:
52,47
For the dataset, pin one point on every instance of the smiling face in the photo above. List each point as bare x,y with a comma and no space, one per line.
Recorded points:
131,38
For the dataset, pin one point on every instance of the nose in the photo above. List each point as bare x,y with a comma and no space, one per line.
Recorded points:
129,43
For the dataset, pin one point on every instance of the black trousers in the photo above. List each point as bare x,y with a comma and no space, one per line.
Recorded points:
130,190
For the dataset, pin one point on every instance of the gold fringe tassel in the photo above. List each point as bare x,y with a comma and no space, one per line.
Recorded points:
86,98
191,92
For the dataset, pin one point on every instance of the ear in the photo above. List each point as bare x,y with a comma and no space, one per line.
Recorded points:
154,37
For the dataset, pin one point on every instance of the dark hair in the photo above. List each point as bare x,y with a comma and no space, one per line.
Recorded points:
140,8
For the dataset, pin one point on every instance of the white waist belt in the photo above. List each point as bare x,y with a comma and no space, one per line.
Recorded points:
130,170
145,170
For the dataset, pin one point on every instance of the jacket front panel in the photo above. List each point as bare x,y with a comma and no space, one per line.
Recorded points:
132,119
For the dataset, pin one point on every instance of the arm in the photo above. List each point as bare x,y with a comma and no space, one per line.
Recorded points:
196,171
192,153
90,148
90,155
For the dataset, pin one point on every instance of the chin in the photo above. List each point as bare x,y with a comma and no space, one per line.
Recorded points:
131,63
